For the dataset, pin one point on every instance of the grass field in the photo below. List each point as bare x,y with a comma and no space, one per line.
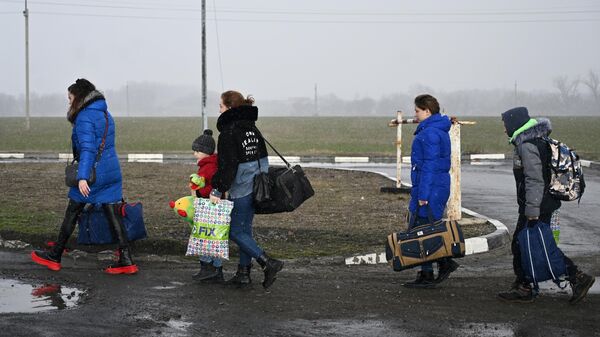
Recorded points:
341,136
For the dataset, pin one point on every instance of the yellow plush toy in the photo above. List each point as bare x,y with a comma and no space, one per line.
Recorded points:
184,207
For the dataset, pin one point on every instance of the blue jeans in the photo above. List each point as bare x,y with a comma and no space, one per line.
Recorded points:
241,229
209,259
419,221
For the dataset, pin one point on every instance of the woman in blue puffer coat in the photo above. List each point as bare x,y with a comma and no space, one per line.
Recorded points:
93,139
430,177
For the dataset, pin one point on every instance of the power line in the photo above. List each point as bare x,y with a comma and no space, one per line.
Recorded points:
325,21
219,49
512,12
327,13
118,16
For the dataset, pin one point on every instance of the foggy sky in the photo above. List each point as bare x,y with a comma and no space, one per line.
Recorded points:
270,50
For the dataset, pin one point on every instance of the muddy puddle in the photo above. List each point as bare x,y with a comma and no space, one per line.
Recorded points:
20,297
368,327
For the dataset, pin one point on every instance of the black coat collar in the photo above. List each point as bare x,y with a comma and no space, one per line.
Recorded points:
244,113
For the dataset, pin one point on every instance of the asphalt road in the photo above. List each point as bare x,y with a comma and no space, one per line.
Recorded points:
321,298
490,190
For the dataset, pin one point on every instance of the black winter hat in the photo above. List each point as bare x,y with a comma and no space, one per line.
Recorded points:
514,119
205,143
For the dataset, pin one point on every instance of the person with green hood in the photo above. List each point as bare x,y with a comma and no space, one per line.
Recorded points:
531,168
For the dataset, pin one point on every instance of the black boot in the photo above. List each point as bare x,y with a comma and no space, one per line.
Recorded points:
580,284
446,267
424,280
241,279
217,278
124,263
209,273
52,258
270,267
47,259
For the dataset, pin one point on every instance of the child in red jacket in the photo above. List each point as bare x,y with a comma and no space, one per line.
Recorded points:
204,151
211,269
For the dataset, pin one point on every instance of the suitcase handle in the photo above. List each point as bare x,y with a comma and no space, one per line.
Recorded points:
413,217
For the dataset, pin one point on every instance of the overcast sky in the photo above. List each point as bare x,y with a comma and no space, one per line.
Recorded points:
281,48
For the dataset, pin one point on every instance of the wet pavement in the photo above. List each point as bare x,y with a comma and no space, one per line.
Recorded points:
308,299
20,297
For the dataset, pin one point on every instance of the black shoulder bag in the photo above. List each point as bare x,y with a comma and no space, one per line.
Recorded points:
282,189
72,167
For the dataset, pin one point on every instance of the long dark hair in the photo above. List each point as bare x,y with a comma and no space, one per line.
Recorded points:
80,89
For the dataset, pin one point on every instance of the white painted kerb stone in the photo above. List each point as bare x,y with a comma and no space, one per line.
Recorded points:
496,156
351,159
12,155
276,160
145,157
65,156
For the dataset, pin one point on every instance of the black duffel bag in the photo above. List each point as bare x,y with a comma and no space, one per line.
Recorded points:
288,188
282,189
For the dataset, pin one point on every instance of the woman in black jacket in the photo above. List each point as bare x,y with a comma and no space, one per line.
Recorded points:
240,148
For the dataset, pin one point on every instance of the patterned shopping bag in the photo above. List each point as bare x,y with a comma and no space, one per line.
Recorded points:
210,232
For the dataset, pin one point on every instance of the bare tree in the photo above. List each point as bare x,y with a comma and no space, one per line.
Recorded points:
593,83
567,89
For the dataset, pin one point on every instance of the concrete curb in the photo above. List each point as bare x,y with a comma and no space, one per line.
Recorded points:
164,157
473,159
476,245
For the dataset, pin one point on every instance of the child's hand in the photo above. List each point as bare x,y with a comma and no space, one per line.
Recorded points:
214,199
197,182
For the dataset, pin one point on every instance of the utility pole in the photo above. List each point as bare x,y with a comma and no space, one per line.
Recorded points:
127,98
316,101
26,15
204,116
515,93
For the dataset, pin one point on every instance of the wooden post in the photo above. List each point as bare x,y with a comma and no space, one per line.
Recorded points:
397,123
399,151
453,207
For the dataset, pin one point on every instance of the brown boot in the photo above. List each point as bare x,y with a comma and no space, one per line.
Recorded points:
580,284
518,293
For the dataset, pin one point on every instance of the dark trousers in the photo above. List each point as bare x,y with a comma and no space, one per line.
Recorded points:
68,225
517,268
72,213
